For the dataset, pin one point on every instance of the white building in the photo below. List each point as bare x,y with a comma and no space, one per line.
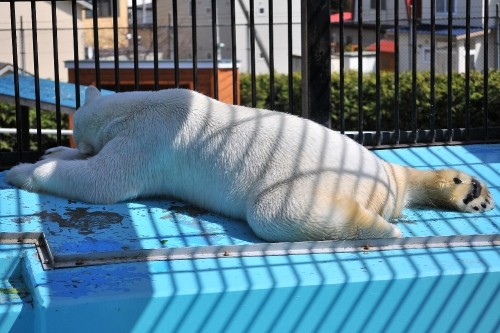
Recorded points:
423,39
223,32
25,54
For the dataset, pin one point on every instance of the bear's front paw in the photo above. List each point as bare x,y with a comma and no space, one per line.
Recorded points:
22,176
473,196
62,153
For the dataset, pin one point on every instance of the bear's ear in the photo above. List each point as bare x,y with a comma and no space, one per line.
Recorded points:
91,93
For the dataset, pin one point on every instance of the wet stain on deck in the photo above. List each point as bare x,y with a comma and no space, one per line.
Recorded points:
80,218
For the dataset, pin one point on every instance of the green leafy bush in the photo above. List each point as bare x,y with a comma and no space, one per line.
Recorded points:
425,115
8,142
263,98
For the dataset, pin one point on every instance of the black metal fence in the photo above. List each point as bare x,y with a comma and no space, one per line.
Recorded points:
398,54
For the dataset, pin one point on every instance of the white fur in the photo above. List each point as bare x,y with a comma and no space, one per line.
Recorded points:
290,178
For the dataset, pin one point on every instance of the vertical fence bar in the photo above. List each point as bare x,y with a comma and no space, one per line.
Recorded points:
378,124
76,56
413,37
23,44
360,73
497,36
449,133
290,61
55,47
156,69
433,73
135,40
176,43
341,65
271,56
215,49
316,61
34,30
467,70
96,45
17,99
233,52
116,47
486,68
397,132
252,53
194,37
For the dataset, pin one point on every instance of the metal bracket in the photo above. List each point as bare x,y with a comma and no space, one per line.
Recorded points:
37,239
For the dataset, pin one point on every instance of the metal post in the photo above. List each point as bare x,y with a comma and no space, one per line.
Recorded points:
23,46
55,46
486,68
95,28
361,136
194,38
116,46
397,132
342,66
135,42
25,128
215,50
316,61
467,69
497,38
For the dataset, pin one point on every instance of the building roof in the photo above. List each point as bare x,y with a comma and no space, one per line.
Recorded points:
27,96
442,30
386,46
335,18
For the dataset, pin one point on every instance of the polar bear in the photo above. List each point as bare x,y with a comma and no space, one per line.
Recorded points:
289,178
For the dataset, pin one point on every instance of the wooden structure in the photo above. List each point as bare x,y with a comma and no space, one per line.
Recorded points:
387,50
206,74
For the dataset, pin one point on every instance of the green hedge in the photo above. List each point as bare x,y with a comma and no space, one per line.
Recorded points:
263,100
8,142
387,99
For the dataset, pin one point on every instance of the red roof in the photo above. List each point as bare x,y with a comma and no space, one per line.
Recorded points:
335,18
386,46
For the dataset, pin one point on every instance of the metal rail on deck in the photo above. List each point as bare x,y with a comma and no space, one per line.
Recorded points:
51,260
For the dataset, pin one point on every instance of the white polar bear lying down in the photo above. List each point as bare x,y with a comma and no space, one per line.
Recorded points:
289,178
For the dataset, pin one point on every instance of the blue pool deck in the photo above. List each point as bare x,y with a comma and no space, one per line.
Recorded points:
165,266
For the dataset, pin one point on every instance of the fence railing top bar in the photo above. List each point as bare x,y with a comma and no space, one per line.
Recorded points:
150,64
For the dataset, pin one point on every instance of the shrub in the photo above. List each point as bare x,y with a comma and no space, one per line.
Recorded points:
263,98
423,111
8,142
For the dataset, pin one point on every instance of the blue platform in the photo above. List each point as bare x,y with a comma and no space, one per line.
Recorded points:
428,288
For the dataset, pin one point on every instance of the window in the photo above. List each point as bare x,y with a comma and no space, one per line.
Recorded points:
442,6
373,4
261,9
427,55
104,8
472,60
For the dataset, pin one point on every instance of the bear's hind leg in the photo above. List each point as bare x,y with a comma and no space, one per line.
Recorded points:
361,223
331,219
